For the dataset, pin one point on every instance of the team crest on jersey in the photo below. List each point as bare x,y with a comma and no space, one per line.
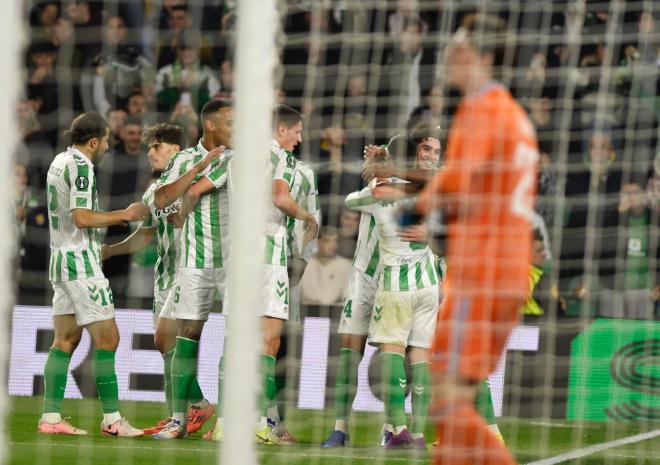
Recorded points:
169,165
291,160
82,183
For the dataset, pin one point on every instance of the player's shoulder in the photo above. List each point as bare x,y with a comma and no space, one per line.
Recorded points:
304,168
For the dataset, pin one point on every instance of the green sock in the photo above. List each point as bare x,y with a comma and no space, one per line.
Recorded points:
103,366
184,368
167,380
195,394
421,396
221,377
394,382
55,374
280,405
484,403
268,372
346,383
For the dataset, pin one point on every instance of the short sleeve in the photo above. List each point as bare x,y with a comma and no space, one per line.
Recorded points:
218,172
283,166
81,185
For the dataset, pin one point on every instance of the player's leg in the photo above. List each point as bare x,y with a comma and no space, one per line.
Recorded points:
391,322
472,332
484,405
67,338
425,315
275,313
193,299
165,333
272,331
353,327
94,308
105,337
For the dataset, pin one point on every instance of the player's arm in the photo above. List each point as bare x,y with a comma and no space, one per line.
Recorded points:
86,218
192,195
169,193
284,202
362,200
140,238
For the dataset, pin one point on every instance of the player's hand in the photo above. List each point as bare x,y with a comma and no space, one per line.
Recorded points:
105,252
296,267
414,233
311,229
655,293
135,212
176,219
389,192
581,292
210,157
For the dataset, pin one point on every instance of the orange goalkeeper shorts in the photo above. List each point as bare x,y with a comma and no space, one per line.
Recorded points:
472,332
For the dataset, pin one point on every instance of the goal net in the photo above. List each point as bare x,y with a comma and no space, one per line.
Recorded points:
578,380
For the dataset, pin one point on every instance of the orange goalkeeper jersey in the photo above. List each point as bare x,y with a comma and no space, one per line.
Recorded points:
487,187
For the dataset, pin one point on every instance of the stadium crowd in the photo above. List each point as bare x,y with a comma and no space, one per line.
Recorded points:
593,100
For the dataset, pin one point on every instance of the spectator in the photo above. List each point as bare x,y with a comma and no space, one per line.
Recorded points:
118,70
87,18
349,226
407,31
325,280
116,119
592,194
178,19
637,290
122,178
430,111
185,117
69,63
39,151
186,80
43,18
42,87
339,173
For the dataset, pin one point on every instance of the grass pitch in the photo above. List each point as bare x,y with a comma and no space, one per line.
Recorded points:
528,440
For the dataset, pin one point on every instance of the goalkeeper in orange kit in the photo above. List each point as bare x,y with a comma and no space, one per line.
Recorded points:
486,189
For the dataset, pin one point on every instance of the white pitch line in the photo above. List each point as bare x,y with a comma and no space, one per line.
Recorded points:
159,447
583,452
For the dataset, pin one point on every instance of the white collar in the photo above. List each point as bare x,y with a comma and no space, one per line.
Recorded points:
74,151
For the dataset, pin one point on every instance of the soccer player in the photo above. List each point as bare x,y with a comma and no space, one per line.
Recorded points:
305,192
204,251
486,188
164,141
403,316
82,296
423,146
287,128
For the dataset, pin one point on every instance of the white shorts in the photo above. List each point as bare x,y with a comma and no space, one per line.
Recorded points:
195,292
274,293
89,299
356,314
164,304
404,318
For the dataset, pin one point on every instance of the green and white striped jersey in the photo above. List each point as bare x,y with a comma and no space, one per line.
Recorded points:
204,239
74,252
304,191
282,166
406,266
367,253
168,237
